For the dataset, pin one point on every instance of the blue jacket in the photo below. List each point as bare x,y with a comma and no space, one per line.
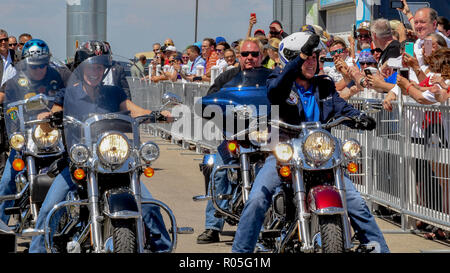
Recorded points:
282,92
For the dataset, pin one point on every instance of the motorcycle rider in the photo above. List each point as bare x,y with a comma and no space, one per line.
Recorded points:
34,76
303,96
89,91
250,59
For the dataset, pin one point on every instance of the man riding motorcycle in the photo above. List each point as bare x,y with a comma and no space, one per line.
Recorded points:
251,58
89,92
302,97
38,77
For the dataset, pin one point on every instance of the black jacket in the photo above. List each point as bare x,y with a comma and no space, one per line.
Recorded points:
282,92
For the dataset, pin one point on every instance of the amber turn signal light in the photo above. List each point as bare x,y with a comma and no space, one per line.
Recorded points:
352,167
232,146
285,171
18,164
79,174
149,172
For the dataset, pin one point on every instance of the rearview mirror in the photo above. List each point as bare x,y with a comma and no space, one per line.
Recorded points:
36,103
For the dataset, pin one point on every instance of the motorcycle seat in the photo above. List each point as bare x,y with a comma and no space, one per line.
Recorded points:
40,187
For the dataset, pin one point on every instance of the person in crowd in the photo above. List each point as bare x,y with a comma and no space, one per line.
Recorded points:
383,39
173,73
169,42
168,51
251,58
363,39
443,25
299,74
23,38
185,58
7,60
276,30
376,53
13,45
156,49
339,72
196,60
272,50
210,55
138,68
220,49
398,30
258,33
230,58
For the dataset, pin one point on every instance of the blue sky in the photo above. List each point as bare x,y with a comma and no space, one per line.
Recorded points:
134,25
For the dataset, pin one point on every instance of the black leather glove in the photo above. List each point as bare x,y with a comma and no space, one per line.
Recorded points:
310,45
364,122
56,120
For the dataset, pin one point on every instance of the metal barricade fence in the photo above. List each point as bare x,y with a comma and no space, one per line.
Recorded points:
404,163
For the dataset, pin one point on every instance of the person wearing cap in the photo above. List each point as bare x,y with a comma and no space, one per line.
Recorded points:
363,39
276,30
272,51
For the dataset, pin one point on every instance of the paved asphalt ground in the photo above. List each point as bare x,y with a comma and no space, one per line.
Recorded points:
178,178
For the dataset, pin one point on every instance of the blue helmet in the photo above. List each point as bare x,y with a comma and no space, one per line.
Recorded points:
36,52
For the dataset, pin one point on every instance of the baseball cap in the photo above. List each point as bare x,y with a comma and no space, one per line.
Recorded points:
259,31
171,48
220,39
364,26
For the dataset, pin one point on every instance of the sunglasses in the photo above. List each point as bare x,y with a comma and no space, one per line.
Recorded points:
362,36
219,50
40,66
337,51
253,53
185,57
13,45
375,50
4,40
274,33
371,63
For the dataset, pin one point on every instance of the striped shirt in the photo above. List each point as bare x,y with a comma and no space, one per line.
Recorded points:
210,62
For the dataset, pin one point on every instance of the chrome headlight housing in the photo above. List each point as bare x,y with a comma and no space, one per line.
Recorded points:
284,152
113,149
259,136
351,149
45,138
149,151
79,153
17,141
318,147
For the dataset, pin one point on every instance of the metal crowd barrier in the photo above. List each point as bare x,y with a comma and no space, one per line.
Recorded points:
405,160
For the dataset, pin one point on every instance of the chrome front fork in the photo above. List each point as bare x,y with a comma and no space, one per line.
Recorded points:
245,174
32,172
95,214
340,185
136,189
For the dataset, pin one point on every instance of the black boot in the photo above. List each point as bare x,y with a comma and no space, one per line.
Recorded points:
208,236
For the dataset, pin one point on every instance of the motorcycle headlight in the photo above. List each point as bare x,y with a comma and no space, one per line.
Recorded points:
319,147
17,141
284,152
45,137
149,151
113,149
351,149
79,153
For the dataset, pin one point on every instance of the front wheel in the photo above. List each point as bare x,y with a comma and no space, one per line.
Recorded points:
331,233
124,236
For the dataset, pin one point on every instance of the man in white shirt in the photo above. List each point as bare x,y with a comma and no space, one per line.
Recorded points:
425,23
8,70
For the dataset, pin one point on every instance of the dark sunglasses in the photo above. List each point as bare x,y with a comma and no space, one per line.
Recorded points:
274,33
40,66
362,63
375,50
362,36
253,53
4,40
12,45
219,50
21,44
337,51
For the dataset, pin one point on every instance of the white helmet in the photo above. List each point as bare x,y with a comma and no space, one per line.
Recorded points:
290,47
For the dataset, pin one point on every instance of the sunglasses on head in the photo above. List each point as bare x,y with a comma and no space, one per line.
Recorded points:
40,66
253,53
337,51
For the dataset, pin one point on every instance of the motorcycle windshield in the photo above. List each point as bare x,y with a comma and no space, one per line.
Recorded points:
247,88
94,108
33,90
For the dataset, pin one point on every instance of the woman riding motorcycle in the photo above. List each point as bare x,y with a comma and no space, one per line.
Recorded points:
87,95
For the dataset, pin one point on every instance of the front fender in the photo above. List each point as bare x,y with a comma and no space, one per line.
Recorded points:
121,205
325,200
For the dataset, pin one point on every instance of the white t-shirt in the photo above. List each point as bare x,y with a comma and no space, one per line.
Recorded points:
8,69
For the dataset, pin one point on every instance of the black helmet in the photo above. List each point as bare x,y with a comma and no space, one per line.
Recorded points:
90,49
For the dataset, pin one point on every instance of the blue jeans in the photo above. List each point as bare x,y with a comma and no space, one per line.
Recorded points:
63,185
260,198
223,186
8,185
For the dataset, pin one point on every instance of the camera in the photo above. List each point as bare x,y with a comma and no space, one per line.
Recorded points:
397,5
